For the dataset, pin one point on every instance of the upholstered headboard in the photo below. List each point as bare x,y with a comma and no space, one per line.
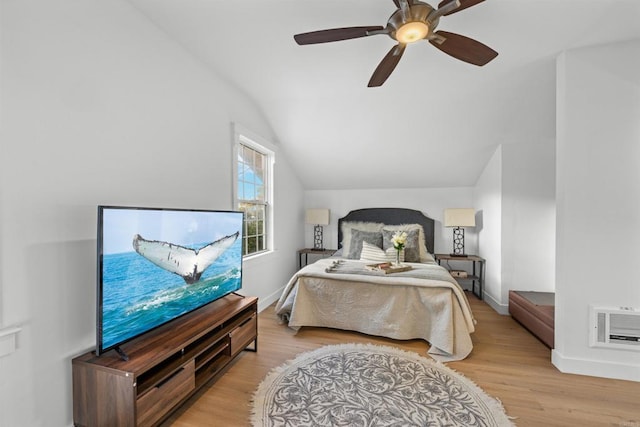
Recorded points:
391,216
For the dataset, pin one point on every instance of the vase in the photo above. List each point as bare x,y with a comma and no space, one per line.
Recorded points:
397,258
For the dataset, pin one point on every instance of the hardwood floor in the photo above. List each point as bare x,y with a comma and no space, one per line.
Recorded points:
507,362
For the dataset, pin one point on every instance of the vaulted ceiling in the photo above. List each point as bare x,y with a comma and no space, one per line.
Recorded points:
434,123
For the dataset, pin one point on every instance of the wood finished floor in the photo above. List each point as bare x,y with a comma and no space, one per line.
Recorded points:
507,362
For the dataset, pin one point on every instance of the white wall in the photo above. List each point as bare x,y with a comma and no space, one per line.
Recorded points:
487,195
430,201
598,208
99,107
515,200
528,216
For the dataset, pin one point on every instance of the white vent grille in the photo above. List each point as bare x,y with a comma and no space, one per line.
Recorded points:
615,327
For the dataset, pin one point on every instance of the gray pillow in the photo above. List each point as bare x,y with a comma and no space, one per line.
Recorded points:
347,226
359,236
411,248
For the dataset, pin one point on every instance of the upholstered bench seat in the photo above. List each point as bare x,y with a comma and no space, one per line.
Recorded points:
535,311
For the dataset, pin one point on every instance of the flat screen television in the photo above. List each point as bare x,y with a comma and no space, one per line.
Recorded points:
155,265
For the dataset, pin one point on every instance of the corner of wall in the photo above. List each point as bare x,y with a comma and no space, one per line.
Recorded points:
487,200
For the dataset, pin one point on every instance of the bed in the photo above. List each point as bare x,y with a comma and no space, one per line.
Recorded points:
342,292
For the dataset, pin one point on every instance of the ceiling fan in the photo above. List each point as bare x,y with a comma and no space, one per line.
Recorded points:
412,21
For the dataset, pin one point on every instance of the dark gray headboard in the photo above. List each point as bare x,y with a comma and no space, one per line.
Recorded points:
391,216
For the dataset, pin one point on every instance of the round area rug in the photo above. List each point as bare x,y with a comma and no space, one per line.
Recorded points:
369,385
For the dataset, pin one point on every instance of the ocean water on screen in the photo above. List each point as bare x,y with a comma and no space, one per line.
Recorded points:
138,295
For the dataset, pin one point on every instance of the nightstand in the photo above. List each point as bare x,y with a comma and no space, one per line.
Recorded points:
474,278
322,252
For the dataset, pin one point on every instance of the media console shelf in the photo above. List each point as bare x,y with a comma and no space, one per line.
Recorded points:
165,367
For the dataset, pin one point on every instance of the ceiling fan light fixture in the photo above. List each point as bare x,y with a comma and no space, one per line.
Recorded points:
411,21
412,32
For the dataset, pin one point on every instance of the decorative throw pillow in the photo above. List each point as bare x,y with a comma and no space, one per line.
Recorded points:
424,256
427,258
371,253
359,236
347,226
411,252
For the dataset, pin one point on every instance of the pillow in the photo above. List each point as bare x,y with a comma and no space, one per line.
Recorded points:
427,258
411,252
357,238
347,226
371,253
423,255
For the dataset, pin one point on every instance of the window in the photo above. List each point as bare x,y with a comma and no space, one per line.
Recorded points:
253,188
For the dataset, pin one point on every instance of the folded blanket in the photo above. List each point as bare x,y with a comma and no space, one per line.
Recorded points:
417,270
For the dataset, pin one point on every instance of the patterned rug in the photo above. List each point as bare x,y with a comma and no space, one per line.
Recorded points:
368,385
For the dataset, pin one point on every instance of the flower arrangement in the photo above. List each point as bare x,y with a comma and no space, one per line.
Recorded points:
399,240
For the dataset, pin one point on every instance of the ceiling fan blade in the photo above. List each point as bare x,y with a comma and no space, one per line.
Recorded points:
463,48
333,35
463,5
387,65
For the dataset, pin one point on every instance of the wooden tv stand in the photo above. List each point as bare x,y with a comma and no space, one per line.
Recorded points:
165,367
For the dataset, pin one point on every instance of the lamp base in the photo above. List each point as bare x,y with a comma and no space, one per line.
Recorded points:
317,238
458,243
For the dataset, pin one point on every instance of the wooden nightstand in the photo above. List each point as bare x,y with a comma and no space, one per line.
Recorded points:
477,275
322,252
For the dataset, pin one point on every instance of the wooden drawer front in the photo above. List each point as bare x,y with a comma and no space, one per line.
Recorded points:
243,334
160,399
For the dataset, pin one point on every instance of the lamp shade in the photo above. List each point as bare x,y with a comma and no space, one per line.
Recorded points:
317,216
459,217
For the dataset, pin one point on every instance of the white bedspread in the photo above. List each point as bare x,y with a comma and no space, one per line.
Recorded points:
400,306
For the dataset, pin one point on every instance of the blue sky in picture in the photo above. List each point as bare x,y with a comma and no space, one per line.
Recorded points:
184,228
248,182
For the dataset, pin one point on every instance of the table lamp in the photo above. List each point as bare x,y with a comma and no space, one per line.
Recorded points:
459,218
318,218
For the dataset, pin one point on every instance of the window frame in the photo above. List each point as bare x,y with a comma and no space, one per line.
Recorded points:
243,136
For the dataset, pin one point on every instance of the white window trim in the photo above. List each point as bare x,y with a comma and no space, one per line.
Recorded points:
258,143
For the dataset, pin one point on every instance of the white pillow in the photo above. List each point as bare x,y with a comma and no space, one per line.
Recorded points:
372,253
425,256
347,226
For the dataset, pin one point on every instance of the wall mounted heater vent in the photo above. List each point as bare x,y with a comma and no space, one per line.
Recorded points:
615,327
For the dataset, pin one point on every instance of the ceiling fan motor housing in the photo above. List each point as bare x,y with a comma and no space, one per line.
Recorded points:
418,12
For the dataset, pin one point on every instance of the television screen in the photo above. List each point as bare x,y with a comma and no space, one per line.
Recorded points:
155,265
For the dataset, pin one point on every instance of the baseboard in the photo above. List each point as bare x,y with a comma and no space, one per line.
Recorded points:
498,307
595,368
265,302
